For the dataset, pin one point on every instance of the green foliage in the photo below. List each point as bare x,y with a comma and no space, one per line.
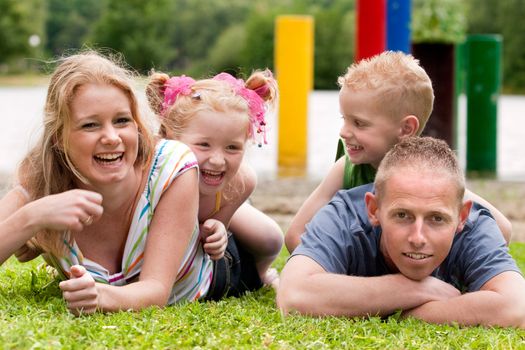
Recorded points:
19,20
440,21
71,23
137,29
259,43
201,38
33,316
334,46
505,18
225,55
194,27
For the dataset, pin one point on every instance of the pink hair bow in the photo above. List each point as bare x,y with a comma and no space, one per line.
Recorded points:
255,104
174,87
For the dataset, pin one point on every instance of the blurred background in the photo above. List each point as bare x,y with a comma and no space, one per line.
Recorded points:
200,38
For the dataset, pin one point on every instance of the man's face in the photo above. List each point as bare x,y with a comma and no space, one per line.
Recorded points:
419,213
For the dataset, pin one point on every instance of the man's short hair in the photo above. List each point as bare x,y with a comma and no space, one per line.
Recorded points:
424,154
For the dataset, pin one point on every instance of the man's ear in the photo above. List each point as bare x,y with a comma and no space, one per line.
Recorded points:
372,208
463,215
409,126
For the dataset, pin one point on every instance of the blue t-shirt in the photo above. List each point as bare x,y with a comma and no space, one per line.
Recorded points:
341,239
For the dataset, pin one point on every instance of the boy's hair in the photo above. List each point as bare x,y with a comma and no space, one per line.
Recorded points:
424,154
401,84
47,168
221,93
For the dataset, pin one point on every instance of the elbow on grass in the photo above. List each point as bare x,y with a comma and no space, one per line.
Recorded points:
292,301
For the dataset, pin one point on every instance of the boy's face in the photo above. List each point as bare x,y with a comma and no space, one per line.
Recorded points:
367,131
419,214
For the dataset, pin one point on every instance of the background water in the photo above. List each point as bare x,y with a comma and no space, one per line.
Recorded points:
22,110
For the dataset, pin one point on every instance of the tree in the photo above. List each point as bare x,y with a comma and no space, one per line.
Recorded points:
505,18
512,28
334,46
225,54
137,29
21,31
196,26
71,23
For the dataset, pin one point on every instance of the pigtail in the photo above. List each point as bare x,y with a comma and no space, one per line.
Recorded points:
155,91
264,84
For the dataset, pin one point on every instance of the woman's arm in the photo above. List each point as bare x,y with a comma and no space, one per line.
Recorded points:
19,222
317,199
170,232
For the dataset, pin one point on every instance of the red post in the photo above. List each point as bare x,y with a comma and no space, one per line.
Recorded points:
371,28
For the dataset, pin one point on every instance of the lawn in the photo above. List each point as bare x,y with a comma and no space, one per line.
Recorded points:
33,316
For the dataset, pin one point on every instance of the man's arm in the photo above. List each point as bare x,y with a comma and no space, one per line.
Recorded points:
305,287
500,302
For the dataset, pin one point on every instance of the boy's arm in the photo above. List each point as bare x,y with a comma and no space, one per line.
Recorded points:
317,199
305,287
500,302
503,223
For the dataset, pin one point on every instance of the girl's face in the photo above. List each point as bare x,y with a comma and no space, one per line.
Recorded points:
218,140
103,136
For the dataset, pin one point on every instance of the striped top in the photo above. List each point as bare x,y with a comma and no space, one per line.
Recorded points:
172,158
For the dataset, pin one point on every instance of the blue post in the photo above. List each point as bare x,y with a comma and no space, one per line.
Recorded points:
398,25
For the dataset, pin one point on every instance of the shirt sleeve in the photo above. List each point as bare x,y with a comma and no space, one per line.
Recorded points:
327,239
484,253
172,159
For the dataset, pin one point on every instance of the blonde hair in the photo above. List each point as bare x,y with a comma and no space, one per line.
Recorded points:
206,94
47,168
401,85
421,153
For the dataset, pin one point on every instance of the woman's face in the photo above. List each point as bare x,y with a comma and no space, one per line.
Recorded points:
103,136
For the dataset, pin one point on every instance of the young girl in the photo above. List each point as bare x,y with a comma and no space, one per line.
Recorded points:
215,118
111,208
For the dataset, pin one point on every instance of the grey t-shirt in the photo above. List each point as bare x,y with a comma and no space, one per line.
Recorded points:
341,240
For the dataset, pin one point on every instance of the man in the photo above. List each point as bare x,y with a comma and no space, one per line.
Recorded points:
411,245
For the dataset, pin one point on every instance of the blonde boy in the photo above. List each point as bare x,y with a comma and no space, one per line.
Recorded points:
383,100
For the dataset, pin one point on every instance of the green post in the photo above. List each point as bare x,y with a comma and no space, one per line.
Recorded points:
483,81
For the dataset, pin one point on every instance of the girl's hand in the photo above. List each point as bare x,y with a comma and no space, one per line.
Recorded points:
215,238
70,210
80,292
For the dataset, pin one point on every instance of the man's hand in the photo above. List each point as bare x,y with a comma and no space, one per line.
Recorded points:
438,290
215,238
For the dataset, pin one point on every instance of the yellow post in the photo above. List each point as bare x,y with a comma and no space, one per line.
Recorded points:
294,52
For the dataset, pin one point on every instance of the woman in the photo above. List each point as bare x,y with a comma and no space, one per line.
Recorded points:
97,196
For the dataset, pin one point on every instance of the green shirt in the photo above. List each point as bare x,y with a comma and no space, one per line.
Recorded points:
354,174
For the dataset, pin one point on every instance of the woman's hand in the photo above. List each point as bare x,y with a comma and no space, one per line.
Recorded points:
215,238
70,210
80,292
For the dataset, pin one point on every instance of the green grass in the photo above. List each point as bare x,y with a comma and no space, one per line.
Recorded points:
33,316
